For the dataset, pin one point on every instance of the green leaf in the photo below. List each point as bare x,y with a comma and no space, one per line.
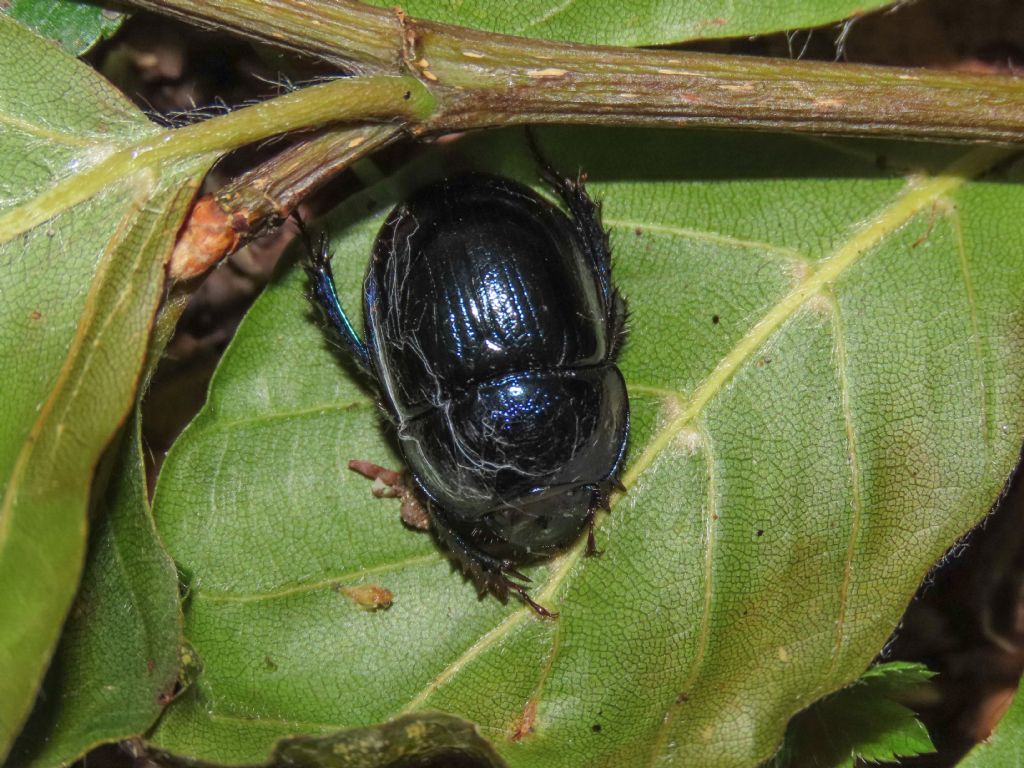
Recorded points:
827,391
636,22
409,740
117,662
864,721
1005,747
76,26
81,273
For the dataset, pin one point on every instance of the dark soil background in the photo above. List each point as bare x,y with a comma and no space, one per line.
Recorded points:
966,623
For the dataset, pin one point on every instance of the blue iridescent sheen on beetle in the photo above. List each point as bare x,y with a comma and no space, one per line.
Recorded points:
492,329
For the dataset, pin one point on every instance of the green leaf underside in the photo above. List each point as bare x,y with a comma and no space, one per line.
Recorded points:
78,296
118,654
427,738
864,721
825,382
1005,747
637,22
76,26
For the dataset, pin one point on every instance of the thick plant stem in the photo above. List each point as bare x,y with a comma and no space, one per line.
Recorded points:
483,79
221,223
355,36
276,187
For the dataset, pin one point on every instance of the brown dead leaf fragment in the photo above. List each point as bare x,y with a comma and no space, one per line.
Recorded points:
208,236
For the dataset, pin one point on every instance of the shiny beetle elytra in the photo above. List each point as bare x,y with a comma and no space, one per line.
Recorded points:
492,328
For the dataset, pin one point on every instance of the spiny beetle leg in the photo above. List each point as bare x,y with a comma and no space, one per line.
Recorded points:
490,574
324,295
592,550
524,595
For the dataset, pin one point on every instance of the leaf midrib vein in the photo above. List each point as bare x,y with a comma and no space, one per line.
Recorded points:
912,198
988,417
759,246
704,633
56,136
216,596
853,460
86,325
299,413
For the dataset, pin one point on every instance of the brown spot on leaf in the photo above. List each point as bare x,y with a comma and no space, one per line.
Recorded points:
938,208
524,726
716,21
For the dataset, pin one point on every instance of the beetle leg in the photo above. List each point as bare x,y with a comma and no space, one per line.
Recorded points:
592,550
601,500
586,215
506,568
324,295
388,484
524,595
490,574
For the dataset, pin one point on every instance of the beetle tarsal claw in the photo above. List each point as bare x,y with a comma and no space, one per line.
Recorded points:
506,568
502,584
524,595
592,550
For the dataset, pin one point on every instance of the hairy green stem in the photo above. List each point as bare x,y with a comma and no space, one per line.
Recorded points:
363,99
482,79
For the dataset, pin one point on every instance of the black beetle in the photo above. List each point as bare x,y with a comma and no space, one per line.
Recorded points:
492,328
